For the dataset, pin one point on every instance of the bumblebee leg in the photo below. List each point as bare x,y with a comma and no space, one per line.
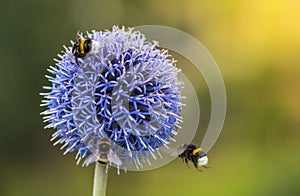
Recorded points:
180,156
186,161
195,164
76,59
183,159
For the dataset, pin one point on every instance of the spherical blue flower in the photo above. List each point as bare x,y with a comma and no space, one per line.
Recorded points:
126,93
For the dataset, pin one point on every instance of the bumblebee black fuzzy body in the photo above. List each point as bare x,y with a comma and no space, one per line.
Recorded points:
104,154
104,148
84,46
190,152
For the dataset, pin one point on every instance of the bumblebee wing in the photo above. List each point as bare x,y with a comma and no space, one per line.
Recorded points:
172,151
113,158
180,150
90,159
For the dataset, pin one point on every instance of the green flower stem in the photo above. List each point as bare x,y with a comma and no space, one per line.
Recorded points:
100,180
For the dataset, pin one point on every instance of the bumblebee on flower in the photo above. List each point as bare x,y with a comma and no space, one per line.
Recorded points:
115,85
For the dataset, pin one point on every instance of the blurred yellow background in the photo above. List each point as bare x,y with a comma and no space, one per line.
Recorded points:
256,44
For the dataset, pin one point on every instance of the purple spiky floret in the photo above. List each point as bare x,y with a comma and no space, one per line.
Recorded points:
128,92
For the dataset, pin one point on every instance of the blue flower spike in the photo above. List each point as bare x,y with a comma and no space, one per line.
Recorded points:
125,94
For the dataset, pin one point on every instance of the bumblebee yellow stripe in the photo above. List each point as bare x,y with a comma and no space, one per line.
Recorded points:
102,160
105,142
196,151
81,46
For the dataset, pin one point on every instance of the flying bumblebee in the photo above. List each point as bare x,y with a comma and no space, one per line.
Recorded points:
84,46
104,155
190,152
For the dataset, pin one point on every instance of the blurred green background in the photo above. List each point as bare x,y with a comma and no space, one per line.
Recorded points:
256,44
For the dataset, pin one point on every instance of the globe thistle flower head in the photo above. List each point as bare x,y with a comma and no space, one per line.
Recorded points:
126,92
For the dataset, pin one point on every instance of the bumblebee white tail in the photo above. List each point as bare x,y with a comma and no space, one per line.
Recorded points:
95,47
202,161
